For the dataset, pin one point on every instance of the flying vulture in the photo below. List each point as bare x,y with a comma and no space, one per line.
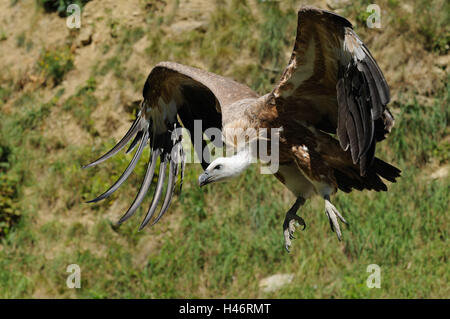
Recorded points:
330,107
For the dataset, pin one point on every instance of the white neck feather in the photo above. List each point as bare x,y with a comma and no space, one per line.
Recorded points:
239,162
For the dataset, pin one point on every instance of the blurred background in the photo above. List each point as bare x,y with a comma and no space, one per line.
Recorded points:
67,95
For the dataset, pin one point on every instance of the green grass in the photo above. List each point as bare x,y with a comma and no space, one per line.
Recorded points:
220,240
54,64
59,6
82,104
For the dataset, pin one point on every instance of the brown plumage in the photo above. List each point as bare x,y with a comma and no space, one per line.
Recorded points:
332,85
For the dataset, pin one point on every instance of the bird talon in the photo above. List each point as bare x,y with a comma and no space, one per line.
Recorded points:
289,223
333,216
300,221
287,240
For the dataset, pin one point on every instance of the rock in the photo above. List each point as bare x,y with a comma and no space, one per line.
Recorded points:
443,61
408,8
186,25
275,282
442,172
438,72
85,37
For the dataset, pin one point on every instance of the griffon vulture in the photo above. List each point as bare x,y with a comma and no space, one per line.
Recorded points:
330,105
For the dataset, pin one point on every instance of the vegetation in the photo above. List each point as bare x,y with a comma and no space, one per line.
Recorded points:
214,241
59,6
54,64
82,104
9,212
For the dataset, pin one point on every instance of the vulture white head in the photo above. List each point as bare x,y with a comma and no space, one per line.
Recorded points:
224,168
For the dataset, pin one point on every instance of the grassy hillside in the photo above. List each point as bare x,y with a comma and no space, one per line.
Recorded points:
67,96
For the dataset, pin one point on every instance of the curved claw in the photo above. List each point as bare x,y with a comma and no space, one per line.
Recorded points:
289,228
300,220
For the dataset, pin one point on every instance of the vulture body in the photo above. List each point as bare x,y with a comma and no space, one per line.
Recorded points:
330,107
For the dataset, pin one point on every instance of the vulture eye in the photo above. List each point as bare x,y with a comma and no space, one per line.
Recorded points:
219,166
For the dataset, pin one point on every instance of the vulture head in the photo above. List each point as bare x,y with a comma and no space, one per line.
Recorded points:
224,168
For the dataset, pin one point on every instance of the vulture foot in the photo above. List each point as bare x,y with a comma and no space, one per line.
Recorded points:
289,222
333,215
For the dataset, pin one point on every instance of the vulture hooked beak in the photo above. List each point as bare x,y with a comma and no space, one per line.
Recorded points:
204,179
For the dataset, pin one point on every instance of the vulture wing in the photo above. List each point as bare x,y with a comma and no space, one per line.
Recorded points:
172,91
333,83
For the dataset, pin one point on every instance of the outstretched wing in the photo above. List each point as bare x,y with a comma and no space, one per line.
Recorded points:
333,83
172,90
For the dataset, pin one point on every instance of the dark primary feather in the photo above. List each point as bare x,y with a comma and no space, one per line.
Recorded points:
127,171
183,166
375,71
370,93
365,92
158,192
173,173
134,142
136,126
349,178
144,187
162,148
342,114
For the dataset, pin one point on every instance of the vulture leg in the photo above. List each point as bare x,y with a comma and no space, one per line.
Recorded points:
289,222
333,216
